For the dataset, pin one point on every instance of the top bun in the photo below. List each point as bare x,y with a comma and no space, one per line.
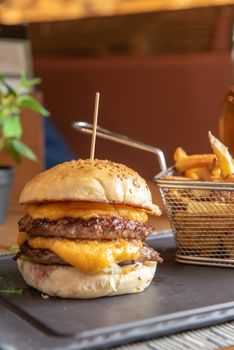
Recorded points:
90,180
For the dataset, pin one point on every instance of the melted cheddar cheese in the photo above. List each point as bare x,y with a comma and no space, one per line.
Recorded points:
22,238
84,210
87,256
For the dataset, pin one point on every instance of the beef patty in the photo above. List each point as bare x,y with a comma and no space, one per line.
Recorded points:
108,228
46,257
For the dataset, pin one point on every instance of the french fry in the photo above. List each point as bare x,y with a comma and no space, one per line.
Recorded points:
194,161
216,172
224,157
179,154
200,173
229,178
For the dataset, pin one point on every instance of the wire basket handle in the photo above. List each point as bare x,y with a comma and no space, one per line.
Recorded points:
113,136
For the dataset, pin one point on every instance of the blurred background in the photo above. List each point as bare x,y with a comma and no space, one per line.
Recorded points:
163,68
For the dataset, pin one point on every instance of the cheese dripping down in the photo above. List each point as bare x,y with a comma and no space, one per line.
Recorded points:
88,256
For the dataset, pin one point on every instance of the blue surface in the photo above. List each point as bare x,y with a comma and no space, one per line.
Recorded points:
56,148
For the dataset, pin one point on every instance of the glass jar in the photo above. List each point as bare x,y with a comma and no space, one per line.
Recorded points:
226,122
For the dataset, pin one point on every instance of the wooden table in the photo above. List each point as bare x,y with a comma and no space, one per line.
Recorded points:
9,230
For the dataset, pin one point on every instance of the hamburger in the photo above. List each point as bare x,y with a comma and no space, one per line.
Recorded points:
84,229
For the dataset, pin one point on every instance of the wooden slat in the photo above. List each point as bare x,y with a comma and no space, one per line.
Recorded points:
24,11
190,30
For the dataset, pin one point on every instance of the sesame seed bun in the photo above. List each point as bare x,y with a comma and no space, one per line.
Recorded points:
90,180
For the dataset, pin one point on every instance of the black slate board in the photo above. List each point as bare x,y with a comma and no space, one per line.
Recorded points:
180,297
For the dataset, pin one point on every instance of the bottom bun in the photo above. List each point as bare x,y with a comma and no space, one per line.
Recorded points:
68,282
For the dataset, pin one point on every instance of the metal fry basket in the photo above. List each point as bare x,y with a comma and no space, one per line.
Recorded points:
201,213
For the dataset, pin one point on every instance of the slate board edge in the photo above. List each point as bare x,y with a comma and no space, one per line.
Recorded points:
205,317
114,336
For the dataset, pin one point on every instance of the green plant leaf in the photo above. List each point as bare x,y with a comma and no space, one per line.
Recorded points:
12,127
23,149
31,103
4,112
13,152
2,77
29,83
5,86
11,101
15,110
12,291
35,81
10,89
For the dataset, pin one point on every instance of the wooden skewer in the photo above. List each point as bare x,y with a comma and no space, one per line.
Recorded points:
95,118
